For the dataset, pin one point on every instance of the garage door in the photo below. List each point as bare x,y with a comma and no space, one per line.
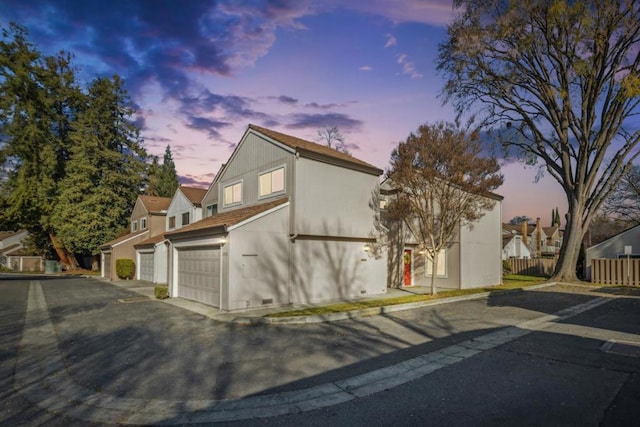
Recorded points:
107,265
146,266
199,274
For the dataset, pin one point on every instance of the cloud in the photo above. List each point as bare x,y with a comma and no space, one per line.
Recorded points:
366,68
287,99
408,67
432,12
391,41
210,126
319,121
200,181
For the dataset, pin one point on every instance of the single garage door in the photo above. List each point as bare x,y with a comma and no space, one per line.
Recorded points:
107,265
146,266
199,274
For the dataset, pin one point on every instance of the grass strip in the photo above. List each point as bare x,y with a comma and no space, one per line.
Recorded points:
510,282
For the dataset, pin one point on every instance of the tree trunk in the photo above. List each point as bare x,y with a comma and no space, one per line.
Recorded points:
434,272
572,239
95,263
67,258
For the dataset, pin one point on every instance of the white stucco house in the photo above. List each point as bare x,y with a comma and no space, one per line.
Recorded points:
285,221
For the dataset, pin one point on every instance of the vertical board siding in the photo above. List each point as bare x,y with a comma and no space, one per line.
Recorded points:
532,267
615,271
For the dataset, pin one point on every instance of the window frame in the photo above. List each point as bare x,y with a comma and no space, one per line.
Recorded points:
182,217
231,185
143,223
212,209
270,172
134,226
442,262
171,222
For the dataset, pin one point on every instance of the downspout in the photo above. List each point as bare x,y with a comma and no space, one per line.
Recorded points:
222,245
293,231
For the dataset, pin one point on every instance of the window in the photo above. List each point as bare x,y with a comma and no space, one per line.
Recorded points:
383,204
442,264
212,210
143,223
185,219
233,194
172,222
272,182
134,226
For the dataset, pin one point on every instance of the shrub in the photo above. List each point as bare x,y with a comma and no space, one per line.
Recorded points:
125,268
506,266
161,292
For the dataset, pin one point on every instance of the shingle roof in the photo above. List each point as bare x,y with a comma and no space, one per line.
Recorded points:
122,239
229,218
194,195
9,249
155,204
151,241
303,145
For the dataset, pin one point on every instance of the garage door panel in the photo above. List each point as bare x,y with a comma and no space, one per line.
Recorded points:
199,274
146,266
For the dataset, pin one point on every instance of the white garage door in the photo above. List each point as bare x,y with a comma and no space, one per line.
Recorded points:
146,266
199,274
107,265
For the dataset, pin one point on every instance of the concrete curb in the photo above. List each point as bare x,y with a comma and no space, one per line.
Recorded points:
374,311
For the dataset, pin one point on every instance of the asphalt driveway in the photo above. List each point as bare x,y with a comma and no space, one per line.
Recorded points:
81,351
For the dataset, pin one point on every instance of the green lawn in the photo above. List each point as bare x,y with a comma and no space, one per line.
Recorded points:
510,282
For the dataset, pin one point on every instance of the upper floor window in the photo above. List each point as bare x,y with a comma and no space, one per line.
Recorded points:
212,209
134,226
382,203
233,194
172,222
272,182
143,223
185,219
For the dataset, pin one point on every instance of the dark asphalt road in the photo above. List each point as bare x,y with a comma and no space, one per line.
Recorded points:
113,342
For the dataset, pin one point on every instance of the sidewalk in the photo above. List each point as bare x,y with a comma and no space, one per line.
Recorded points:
257,316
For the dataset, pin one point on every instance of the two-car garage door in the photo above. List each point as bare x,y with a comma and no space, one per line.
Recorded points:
199,274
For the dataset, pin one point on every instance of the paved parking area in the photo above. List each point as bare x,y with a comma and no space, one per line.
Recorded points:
83,351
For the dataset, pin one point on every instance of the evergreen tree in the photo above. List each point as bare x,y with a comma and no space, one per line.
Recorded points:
38,101
105,171
164,182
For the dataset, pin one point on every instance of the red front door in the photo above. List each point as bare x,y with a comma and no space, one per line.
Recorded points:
407,267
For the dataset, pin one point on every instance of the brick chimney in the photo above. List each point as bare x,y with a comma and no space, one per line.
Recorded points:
525,232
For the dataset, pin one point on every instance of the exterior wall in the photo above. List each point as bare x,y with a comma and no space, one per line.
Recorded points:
423,278
253,156
160,263
332,201
326,270
156,224
258,263
211,197
179,205
123,250
481,249
137,213
613,247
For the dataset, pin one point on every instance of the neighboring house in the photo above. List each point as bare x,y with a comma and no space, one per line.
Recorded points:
515,241
285,221
614,248
147,220
12,252
152,255
472,260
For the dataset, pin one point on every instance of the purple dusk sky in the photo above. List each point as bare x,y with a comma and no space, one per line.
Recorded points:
200,71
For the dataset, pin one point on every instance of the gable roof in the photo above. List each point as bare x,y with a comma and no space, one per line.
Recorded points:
194,194
150,242
124,238
516,230
316,151
227,219
155,204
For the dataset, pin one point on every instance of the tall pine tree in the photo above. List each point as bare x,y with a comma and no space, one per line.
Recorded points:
164,182
105,171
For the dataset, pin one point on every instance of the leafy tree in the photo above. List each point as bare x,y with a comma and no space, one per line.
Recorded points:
517,220
603,226
624,202
105,170
332,138
38,101
443,184
162,179
561,79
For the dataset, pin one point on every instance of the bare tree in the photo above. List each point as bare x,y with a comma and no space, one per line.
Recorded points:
332,138
443,184
624,202
562,79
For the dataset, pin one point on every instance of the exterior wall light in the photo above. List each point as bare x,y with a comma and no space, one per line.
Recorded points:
367,248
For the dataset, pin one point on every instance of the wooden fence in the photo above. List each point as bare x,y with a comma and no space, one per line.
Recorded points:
616,271
532,267
22,263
